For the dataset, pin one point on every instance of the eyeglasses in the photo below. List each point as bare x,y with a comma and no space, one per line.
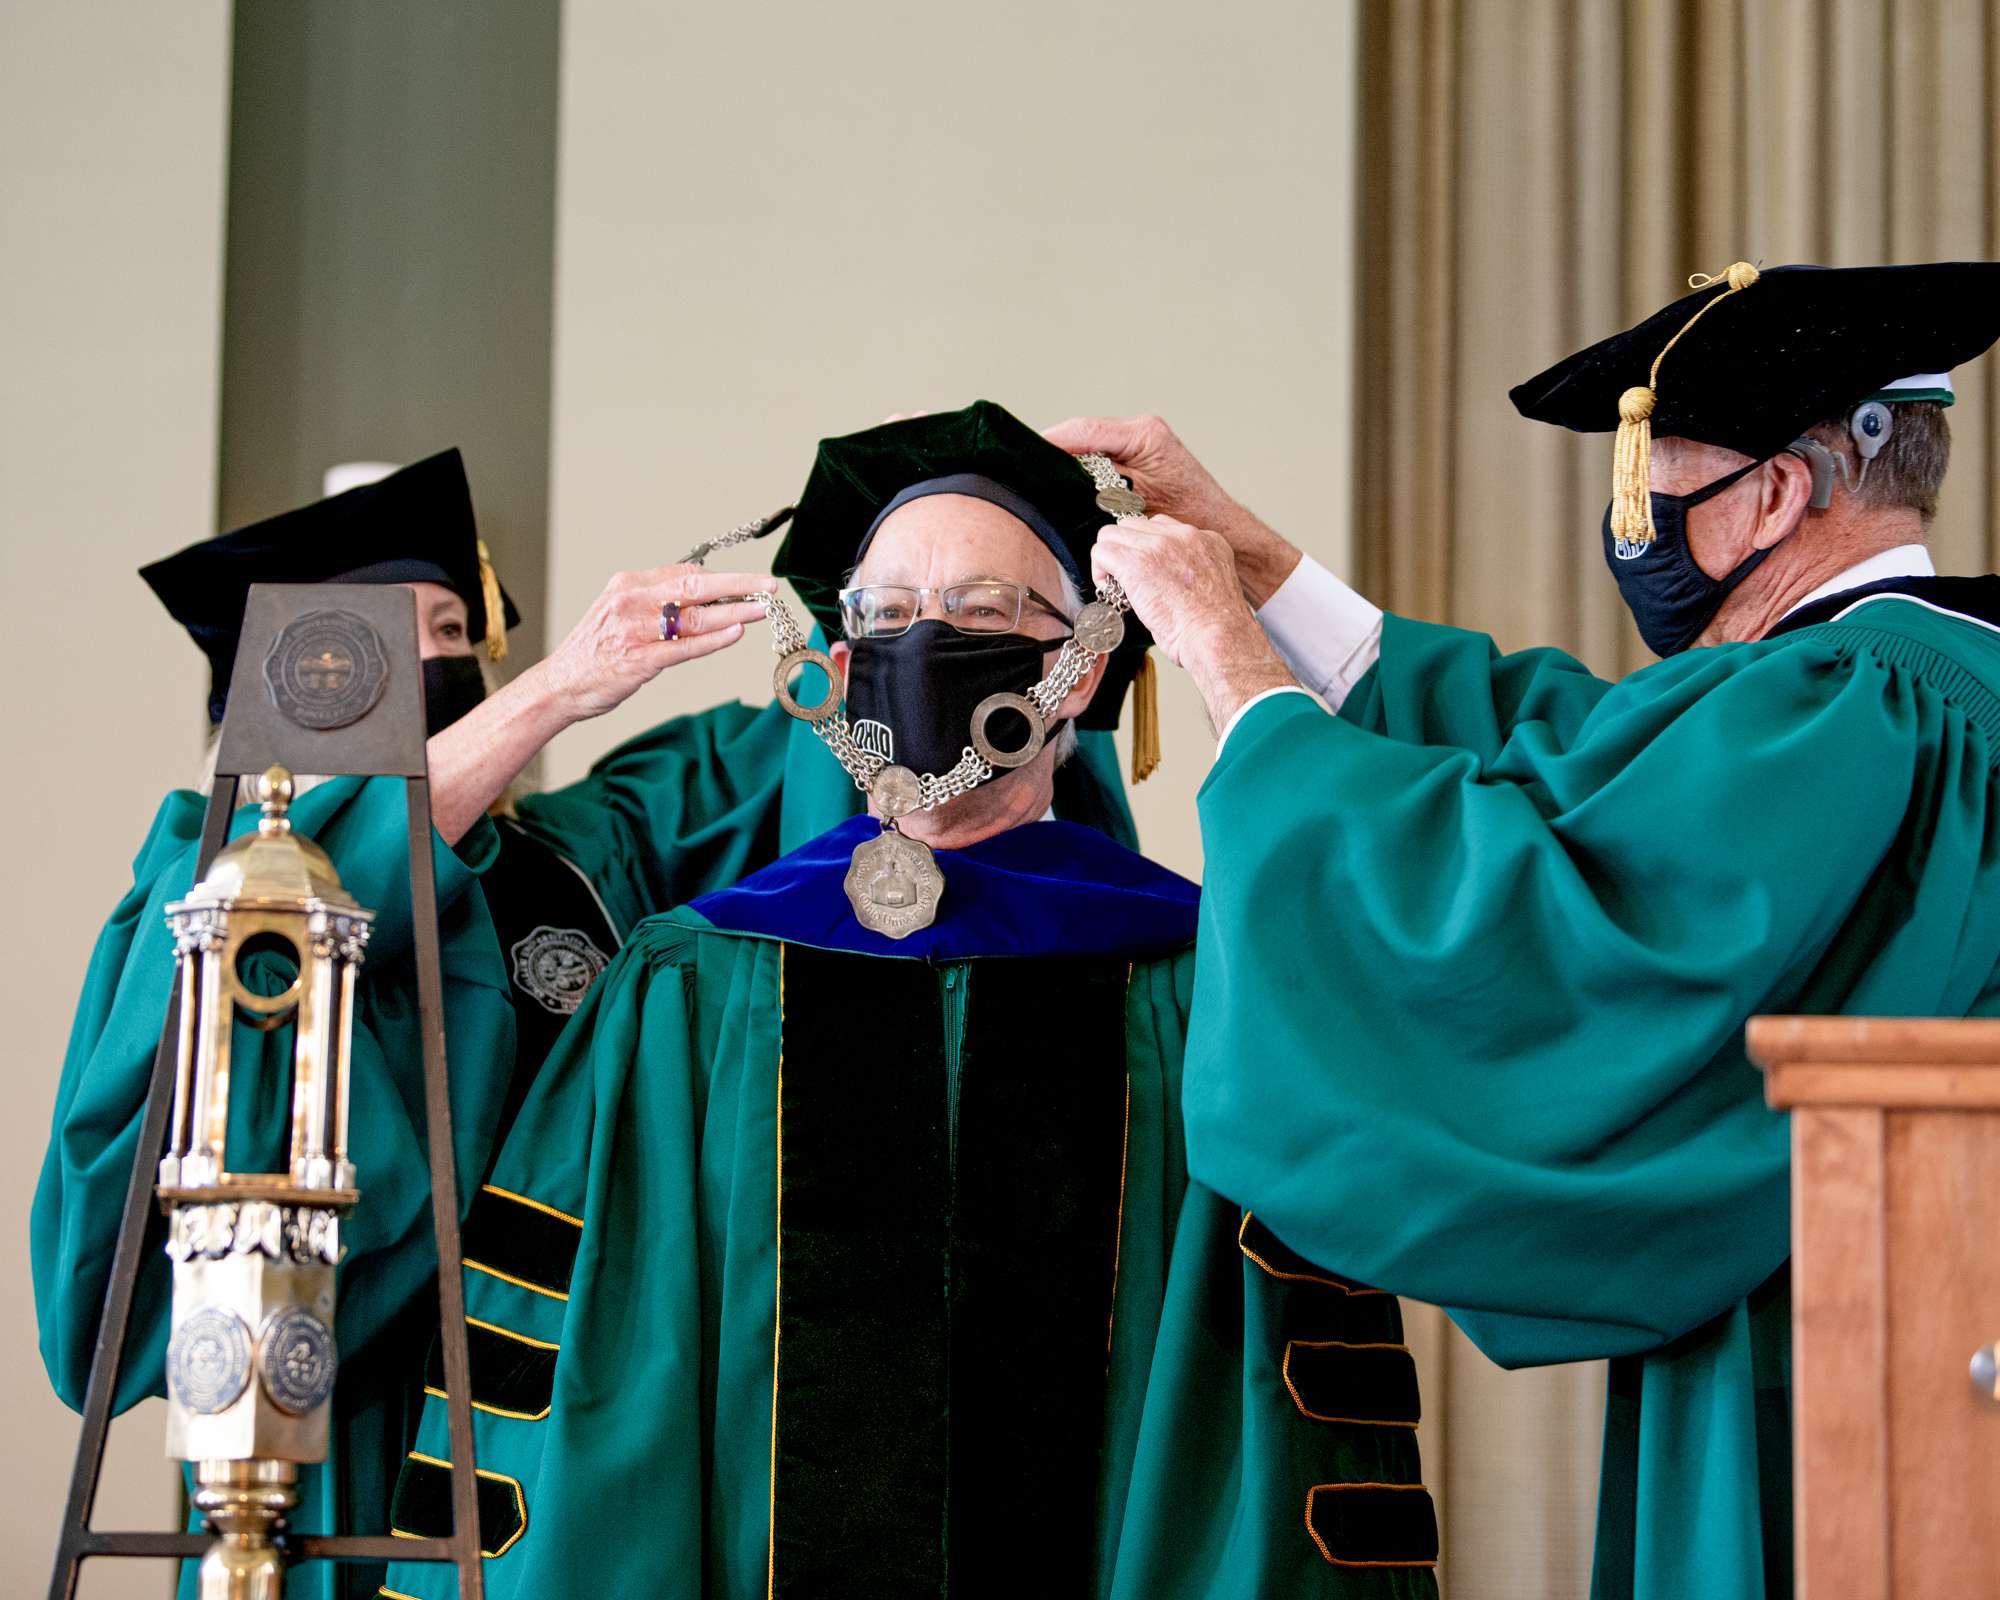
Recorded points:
983,605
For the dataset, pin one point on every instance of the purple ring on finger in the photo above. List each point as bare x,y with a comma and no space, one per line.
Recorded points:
670,622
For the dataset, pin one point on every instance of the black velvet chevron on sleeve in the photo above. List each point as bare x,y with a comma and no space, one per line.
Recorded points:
511,1375
422,1506
1370,1384
1373,1524
521,1240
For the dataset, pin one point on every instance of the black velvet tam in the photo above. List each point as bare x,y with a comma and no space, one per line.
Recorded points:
414,526
1801,345
855,477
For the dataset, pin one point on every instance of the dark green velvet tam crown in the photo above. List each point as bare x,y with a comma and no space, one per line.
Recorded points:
855,476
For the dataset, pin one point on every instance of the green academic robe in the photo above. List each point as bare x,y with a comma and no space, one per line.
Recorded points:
1477,956
831,1271
689,806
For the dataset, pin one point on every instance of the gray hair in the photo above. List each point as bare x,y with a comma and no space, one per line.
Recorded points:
1909,471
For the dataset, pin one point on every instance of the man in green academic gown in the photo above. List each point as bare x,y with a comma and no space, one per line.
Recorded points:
532,904
1478,949
843,1250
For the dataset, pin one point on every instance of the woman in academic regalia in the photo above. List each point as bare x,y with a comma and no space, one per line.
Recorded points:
535,893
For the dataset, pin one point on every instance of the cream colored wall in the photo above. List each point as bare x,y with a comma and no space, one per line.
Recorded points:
113,115
780,222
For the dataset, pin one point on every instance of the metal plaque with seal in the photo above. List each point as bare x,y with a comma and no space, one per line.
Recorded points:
894,885
208,1362
326,669
296,1360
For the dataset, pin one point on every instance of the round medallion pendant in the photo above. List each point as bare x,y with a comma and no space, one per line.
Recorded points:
896,791
991,707
1100,627
296,1360
556,967
326,669
208,1360
894,885
781,682
1121,502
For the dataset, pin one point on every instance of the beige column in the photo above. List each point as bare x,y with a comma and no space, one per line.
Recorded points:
114,117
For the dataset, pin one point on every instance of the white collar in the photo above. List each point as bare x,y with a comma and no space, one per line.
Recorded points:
1905,561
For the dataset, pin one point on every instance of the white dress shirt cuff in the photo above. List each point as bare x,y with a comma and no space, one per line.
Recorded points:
1329,635
1255,699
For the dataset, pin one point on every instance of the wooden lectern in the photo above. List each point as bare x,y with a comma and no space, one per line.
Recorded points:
1895,1300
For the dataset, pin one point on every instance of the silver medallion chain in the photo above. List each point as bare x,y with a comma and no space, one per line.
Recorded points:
1097,631
893,882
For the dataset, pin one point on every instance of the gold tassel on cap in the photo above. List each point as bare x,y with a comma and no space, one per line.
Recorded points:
1145,720
1632,455
496,607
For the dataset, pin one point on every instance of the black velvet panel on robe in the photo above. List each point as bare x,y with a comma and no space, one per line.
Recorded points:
947,1246
555,939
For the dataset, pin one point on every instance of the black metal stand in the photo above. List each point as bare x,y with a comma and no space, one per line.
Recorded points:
386,739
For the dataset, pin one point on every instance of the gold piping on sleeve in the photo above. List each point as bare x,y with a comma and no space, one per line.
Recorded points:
1335,1488
536,1205
509,1333
519,1283
1336,1344
777,1288
1295,1277
520,1504
499,1411
1118,1238
1124,1167
387,1593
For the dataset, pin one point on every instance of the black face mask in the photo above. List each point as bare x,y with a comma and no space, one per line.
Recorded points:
1664,588
452,686
910,698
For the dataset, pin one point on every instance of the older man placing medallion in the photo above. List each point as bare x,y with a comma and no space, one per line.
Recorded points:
846,1246
1477,950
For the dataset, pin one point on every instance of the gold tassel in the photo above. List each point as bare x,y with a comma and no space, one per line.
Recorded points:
1632,470
1632,454
496,607
1145,720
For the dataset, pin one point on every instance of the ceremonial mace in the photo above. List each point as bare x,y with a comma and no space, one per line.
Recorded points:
251,1360
326,681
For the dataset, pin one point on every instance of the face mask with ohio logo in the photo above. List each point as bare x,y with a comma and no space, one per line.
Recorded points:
1662,584
910,697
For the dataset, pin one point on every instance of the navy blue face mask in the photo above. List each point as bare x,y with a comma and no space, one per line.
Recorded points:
1664,588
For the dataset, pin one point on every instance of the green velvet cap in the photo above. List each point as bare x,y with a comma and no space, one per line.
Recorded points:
855,476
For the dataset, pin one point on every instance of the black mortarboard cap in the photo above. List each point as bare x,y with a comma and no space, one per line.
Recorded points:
856,476
1750,360
414,526
1800,346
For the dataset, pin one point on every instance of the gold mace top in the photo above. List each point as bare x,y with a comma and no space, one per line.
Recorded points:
273,866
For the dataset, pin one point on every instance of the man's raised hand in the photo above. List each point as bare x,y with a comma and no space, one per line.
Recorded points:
1181,581
1176,485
